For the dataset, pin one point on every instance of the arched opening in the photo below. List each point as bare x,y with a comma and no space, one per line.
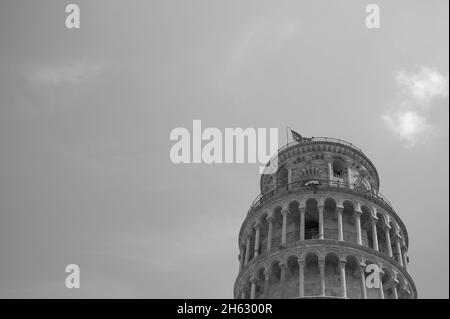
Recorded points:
263,234
403,257
311,220
338,168
366,227
276,227
353,278
259,284
330,219
381,235
312,275
332,276
392,235
292,288
293,226
311,230
274,281
348,222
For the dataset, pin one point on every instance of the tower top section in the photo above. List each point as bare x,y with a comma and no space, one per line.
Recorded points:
320,208
322,159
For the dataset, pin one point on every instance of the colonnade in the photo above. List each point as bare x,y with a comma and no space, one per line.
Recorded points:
253,243
262,279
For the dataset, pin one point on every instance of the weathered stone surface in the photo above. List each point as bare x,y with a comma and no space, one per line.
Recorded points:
330,183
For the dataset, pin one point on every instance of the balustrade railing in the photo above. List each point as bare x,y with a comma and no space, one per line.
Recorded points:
312,234
315,184
322,139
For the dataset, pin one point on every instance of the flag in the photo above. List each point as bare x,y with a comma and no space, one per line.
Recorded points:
296,136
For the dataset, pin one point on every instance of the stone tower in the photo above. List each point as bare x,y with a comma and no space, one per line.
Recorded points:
318,223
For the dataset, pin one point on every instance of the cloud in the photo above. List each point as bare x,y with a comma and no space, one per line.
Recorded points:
424,85
69,73
408,116
55,86
410,126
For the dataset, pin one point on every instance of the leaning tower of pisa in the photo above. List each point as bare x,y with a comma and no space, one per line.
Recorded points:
318,224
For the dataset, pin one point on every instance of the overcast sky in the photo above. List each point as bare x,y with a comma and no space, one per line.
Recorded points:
85,118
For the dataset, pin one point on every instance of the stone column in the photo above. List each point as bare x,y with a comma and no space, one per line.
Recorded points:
342,278
398,251
321,235
381,286
349,177
253,288
373,221
362,269
358,227
339,211
269,219
394,290
247,251
388,240
322,277
405,259
302,223
241,258
289,170
301,278
284,213
266,283
330,172
283,268
257,236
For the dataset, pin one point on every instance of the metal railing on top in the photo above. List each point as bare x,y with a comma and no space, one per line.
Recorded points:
315,183
322,139
326,139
